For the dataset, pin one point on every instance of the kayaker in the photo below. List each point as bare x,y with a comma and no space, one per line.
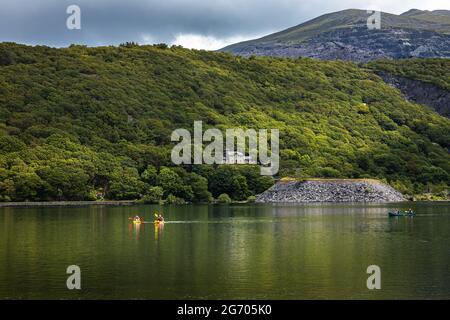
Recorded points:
160,218
137,218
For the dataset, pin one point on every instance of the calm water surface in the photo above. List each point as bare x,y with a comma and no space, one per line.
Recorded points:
226,252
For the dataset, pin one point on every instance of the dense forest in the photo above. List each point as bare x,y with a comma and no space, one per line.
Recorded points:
95,123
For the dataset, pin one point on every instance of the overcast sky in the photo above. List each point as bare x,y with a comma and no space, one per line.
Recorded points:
201,24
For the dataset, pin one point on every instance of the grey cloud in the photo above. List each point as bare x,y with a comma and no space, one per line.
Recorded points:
115,21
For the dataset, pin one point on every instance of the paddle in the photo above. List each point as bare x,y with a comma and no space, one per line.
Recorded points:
142,220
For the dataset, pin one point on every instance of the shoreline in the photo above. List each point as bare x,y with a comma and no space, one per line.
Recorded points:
118,203
67,203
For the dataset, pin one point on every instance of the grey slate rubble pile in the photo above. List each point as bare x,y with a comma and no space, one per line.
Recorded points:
339,190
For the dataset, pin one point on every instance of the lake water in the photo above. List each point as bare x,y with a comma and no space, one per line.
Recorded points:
226,252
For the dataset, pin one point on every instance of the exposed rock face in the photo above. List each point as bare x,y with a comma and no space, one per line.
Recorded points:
348,35
338,190
421,92
359,44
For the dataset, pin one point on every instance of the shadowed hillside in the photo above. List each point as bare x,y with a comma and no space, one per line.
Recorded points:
425,81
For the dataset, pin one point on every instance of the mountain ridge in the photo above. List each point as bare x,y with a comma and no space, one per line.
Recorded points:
345,35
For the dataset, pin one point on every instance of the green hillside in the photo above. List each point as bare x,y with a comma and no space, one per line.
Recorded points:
82,123
437,16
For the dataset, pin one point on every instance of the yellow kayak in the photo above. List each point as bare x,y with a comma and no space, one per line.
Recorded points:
137,221
157,222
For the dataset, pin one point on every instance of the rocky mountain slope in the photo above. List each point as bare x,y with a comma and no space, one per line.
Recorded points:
424,81
345,35
420,92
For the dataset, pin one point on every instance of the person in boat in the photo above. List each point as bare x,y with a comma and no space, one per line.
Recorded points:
160,218
137,218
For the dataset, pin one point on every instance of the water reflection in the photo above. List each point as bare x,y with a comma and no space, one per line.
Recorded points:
159,228
134,229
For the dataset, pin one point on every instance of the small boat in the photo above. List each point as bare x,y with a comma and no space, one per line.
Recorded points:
137,221
158,223
401,214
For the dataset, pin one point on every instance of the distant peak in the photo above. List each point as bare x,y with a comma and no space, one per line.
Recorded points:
412,12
